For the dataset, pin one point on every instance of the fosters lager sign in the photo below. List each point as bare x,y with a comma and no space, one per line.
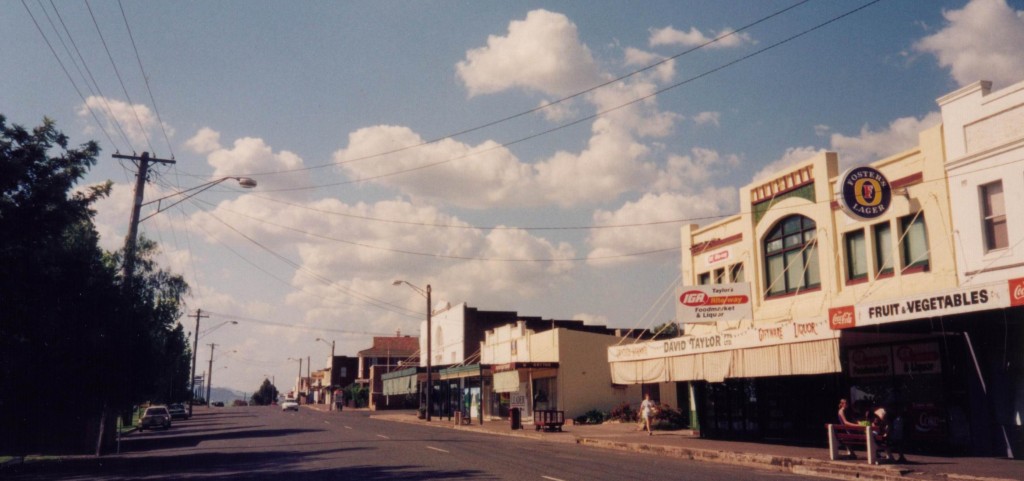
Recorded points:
864,193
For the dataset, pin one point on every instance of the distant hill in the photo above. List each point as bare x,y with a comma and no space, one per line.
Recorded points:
226,395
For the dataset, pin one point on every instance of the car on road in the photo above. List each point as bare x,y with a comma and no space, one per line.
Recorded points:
289,405
218,404
177,411
155,416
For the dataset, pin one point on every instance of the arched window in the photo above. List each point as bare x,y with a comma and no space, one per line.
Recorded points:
791,257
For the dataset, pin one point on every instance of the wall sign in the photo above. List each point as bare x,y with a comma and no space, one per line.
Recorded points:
714,303
864,193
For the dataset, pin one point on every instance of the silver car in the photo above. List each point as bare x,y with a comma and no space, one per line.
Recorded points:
155,416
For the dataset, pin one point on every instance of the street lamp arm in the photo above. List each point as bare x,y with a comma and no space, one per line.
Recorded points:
413,286
244,182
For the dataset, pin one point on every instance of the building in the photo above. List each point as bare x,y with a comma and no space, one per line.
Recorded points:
553,369
789,266
984,141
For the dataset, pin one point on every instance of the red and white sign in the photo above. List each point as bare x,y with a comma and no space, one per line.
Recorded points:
842,317
1016,292
714,303
720,256
920,358
870,361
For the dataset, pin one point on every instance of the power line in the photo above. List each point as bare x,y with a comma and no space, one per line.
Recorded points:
579,120
124,89
145,78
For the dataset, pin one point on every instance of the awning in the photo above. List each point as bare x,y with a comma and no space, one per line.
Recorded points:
459,372
507,381
812,357
400,382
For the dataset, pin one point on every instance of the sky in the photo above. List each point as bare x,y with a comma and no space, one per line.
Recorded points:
537,157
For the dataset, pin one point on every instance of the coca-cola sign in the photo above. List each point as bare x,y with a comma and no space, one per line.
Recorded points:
1017,292
842,317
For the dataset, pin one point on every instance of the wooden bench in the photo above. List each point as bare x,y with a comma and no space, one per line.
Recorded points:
845,435
549,420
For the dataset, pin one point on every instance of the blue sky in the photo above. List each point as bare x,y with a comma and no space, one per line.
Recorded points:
341,95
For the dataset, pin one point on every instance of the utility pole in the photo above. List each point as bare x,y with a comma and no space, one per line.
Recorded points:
133,225
195,354
209,382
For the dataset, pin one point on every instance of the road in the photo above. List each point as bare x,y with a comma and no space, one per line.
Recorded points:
263,443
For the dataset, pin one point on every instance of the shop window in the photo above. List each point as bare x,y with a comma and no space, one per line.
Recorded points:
720,276
704,279
914,243
856,256
736,273
791,256
993,211
883,249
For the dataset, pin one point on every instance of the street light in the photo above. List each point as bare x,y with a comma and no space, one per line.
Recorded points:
330,379
195,354
424,293
298,381
134,221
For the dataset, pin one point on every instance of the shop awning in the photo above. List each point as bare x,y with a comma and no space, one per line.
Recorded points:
507,381
812,357
400,382
459,372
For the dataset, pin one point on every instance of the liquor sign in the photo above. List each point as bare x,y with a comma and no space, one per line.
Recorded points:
870,361
919,358
714,303
864,193
945,303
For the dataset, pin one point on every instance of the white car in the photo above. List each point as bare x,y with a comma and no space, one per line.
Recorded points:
289,405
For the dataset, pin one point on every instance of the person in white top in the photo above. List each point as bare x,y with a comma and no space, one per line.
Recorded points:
647,408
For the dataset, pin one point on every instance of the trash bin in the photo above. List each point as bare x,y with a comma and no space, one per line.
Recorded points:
515,418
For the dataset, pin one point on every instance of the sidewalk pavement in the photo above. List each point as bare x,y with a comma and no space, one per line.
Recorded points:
812,461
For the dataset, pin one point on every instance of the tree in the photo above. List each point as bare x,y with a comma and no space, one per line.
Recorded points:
265,395
667,330
74,344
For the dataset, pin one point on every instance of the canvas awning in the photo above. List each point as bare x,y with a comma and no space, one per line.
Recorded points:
400,382
812,357
507,381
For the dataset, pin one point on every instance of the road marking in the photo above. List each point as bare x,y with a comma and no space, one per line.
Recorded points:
348,427
437,449
382,436
552,479
327,422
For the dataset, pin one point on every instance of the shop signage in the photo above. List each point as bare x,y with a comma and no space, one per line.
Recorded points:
720,256
870,361
920,358
714,303
864,193
759,336
958,301
519,398
512,366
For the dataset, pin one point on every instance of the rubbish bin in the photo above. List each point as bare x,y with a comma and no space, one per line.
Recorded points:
515,418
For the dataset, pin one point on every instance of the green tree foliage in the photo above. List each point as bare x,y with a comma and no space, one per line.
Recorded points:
265,395
666,331
73,343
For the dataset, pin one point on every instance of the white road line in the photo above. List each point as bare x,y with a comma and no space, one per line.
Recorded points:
327,422
348,427
552,479
436,449
382,436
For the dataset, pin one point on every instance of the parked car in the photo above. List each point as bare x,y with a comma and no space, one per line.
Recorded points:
177,411
218,404
155,416
289,405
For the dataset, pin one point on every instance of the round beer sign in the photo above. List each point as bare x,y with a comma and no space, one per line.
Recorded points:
864,192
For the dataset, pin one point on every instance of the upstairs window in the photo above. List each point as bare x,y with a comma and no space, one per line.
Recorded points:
993,212
720,276
704,279
856,256
736,273
883,249
791,256
914,242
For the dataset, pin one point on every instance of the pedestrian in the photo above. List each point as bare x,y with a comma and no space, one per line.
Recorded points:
881,428
842,414
647,411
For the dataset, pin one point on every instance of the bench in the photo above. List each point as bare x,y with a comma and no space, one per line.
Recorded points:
549,420
846,435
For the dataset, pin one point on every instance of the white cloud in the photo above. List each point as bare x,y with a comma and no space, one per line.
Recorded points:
700,207
982,41
689,173
694,37
542,52
205,141
137,121
591,319
707,118
559,112
634,57
792,156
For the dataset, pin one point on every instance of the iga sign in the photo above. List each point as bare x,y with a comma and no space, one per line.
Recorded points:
959,301
714,303
864,193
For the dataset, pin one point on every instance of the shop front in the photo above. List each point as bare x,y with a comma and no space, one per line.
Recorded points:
527,386
464,390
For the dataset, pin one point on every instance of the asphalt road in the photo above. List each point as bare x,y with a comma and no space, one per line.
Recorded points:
263,443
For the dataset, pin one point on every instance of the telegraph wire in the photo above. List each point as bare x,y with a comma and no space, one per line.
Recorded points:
294,326
145,78
580,120
68,74
118,73
549,104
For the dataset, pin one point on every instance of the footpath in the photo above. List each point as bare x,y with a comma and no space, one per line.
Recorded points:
810,461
